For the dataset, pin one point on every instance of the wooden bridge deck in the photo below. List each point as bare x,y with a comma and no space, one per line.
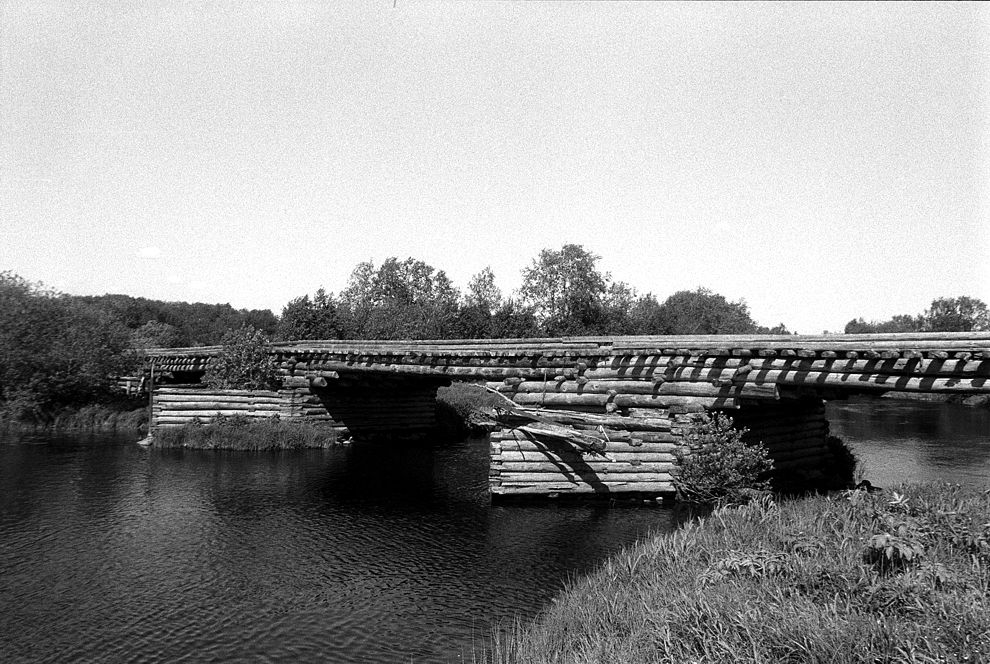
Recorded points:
830,364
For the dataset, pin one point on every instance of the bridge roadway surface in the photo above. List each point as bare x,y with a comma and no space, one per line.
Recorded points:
738,366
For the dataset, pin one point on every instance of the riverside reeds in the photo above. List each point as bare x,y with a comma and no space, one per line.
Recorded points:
853,577
122,417
242,433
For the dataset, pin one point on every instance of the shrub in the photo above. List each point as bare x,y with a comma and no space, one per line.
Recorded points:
243,363
719,465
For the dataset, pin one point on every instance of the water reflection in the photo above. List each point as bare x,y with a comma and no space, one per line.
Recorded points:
909,441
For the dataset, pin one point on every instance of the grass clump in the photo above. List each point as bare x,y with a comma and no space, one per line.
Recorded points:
239,432
855,577
719,465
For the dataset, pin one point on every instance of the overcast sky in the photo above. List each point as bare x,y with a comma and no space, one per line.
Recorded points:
822,161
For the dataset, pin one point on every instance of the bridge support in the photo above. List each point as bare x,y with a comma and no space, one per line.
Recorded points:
644,447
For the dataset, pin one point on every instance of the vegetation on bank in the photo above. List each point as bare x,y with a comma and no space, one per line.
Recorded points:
239,432
123,416
897,576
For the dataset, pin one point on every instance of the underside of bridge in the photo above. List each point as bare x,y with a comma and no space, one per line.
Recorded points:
605,415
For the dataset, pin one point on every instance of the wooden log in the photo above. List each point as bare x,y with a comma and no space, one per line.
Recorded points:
590,477
162,391
581,467
206,414
549,488
611,437
648,422
509,445
215,398
564,457
874,382
697,403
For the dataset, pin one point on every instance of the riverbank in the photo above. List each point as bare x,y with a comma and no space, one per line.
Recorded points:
853,577
123,417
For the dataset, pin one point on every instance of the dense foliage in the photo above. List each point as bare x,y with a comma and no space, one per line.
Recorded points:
244,362
55,351
174,324
563,293
719,464
855,578
946,314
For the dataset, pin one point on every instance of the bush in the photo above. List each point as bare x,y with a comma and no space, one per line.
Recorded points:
719,465
245,362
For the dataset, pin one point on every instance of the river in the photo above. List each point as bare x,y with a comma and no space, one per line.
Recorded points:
110,552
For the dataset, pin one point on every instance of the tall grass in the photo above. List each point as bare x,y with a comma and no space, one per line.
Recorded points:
242,433
122,416
855,577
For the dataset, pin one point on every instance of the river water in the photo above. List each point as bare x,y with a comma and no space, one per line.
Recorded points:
110,552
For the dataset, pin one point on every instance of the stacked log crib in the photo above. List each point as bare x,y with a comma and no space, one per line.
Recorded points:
175,406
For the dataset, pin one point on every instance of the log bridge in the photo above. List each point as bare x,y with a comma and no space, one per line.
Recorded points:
589,415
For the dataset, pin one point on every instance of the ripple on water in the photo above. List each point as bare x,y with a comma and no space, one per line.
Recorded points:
114,553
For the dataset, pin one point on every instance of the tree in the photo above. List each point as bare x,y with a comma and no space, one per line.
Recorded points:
155,334
644,315
243,363
399,300
898,323
957,314
482,291
303,318
702,312
513,321
565,290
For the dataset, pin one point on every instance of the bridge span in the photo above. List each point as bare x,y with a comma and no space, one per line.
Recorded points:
592,414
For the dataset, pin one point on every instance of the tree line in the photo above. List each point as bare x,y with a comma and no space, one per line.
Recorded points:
946,314
563,293
59,350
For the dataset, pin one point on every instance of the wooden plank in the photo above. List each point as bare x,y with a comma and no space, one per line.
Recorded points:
558,487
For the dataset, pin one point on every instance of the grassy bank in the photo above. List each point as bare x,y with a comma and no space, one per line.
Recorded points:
856,577
124,417
243,433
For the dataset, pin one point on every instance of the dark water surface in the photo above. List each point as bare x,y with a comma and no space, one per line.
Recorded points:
915,441
110,552
113,552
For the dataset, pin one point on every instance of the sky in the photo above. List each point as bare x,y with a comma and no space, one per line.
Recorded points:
820,161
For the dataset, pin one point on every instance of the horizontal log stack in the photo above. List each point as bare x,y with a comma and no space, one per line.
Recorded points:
174,406
638,394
